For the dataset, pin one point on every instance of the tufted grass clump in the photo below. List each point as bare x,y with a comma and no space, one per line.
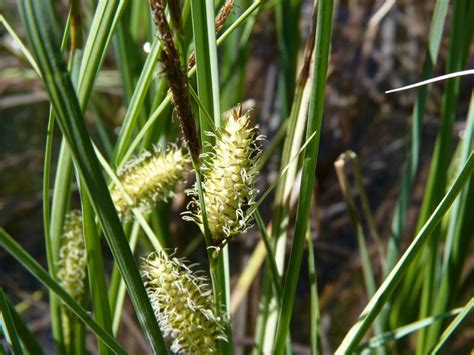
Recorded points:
183,305
204,63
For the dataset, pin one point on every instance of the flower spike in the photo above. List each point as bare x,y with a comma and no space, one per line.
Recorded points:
229,175
149,178
183,305
72,256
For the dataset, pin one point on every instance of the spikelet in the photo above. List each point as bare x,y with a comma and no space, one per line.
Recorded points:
72,256
149,178
229,176
71,269
183,305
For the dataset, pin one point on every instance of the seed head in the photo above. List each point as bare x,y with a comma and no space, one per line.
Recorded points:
176,77
72,256
183,305
149,178
229,175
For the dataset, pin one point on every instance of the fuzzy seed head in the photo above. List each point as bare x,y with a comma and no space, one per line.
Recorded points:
229,175
183,305
72,256
149,178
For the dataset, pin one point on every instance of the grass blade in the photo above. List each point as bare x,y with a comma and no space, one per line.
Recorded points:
368,273
136,101
72,125
294,137
206,63
411,168
103,22
314,305
37,271
205,46
315,117
95,270
8,325
452,327
27,338
401,332
287,15
458,236
270,253
368,315
437,179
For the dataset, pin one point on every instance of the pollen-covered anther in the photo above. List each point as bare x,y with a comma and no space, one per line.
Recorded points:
149,178
183,305
229,175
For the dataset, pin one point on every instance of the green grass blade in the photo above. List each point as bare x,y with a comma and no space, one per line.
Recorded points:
15,250
356,223
136,102
368,273
315,117
206,63
205,46
8,325
399,218
20,44
294,137
314,303
72,125
232,64
437,179
270,253
282,174
401,332
105,19
287,15
96,46
459,235
127,60
121,159
102,132
364,200
117,286
53,214
370,312
452,327
28,340
95,270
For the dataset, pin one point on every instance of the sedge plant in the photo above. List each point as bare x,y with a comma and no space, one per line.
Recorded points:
173,157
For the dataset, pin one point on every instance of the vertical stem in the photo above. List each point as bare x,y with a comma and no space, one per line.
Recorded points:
441,156
315,117
313,284
202,13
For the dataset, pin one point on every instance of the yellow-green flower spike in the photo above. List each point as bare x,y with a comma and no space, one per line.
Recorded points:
72,256
229,176
183,305
71,272
149,178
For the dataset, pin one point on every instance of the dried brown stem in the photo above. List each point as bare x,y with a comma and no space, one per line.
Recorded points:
177,79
